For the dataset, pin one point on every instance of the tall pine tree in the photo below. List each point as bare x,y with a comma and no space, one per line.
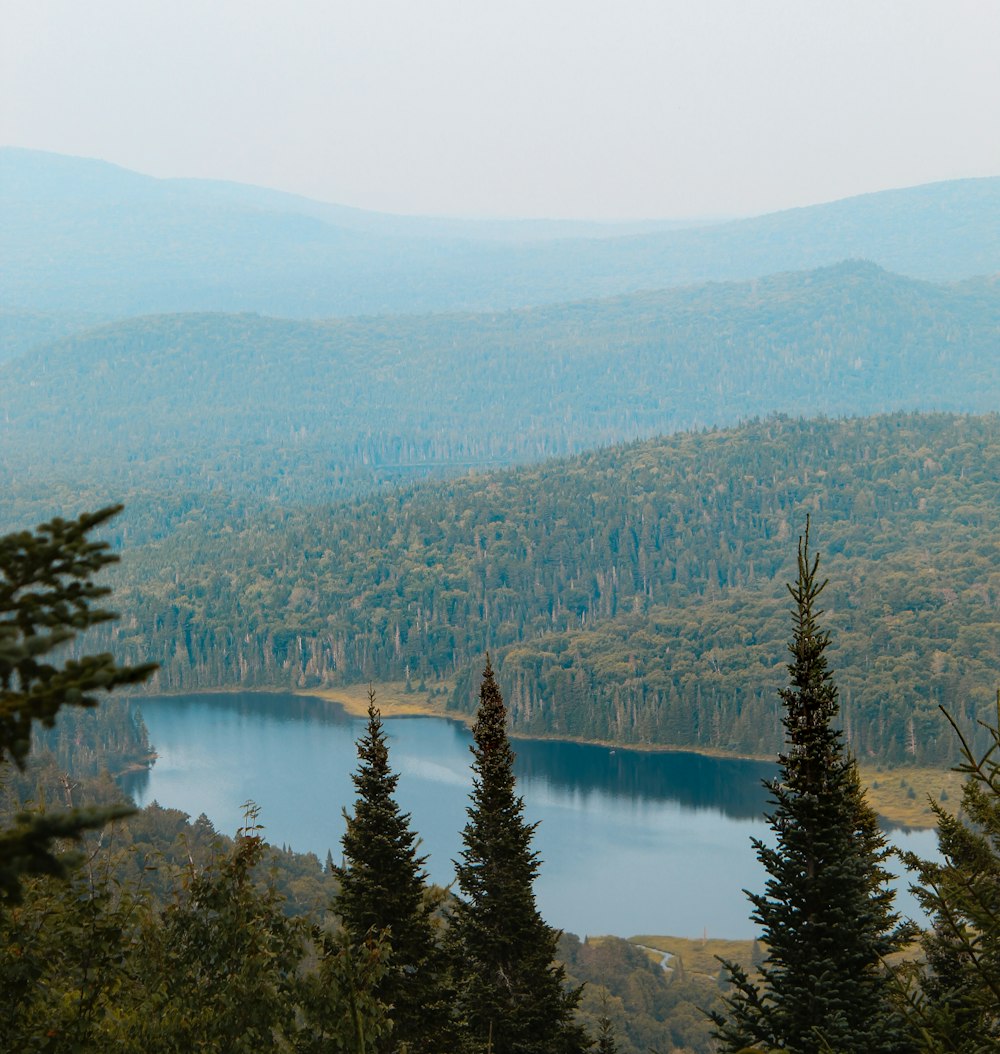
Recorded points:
512,994
827,912
383,888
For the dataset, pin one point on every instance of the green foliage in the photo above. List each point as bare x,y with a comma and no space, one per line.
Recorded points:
512,995
339,1000
172,939
65,951
631,595
383,891
957,1004
211,409
47,597
826,913
218,969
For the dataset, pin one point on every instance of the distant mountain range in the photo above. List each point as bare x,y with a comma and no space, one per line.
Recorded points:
85,236
300,410
236,364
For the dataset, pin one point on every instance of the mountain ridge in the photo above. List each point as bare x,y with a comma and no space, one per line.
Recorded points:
168,246
307,410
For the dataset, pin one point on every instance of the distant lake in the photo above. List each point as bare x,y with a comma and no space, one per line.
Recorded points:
631,841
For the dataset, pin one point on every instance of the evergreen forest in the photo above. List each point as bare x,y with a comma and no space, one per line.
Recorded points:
728,486
631,595
145,931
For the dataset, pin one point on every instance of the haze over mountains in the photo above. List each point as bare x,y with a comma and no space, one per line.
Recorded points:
142,359
82,235
313,411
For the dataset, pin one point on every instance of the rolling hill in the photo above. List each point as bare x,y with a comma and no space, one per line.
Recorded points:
631,595
305,411
83,235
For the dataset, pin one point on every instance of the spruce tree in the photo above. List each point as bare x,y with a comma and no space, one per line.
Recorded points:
383,890
47,597
605,1036
512,994
827,911
957,1006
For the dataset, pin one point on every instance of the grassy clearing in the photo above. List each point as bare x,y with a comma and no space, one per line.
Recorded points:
392,699
699,955
900,794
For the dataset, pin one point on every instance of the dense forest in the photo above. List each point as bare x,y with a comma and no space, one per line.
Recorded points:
156,935
202,406
357,447
632,595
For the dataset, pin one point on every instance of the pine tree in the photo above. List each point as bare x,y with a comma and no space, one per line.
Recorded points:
827,914
957,1007
47,597
605,1036
512,994
383,889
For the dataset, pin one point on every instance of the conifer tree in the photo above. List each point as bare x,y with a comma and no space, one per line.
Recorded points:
605,1036
512,994
957,1007
827,912
47,597
383,889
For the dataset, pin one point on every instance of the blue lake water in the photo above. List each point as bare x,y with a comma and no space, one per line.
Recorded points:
631,841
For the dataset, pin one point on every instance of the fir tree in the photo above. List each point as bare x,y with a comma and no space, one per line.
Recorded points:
512,994
383,889
47,597
957,1007
826,916
605,1036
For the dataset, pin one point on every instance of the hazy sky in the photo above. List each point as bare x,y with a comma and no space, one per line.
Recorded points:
552,108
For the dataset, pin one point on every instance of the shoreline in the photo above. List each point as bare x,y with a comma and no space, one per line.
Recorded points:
898,793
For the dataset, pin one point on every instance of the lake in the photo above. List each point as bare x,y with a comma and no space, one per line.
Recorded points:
631,841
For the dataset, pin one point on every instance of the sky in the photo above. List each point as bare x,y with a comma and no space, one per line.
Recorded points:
607,109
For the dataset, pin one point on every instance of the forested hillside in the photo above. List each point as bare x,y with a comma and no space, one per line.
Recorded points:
315,411
633,595
81,235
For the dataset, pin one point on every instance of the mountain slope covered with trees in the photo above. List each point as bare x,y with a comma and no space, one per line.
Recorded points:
298,411
633,595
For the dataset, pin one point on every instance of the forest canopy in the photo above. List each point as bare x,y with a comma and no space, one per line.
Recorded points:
632,595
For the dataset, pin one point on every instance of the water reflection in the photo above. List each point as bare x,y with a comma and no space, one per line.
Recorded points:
632,842
727,785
